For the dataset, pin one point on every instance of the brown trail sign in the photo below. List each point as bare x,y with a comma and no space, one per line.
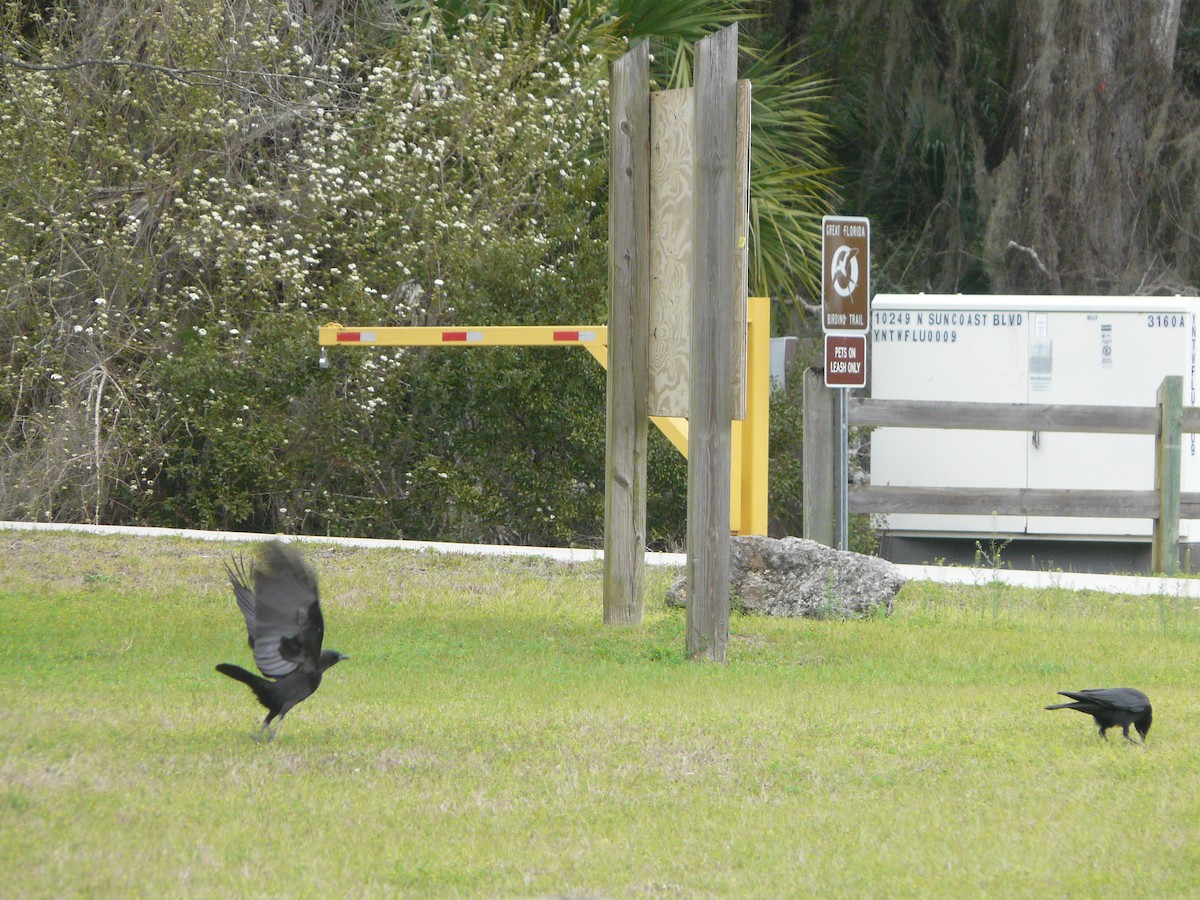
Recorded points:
845,318
845,273
846,360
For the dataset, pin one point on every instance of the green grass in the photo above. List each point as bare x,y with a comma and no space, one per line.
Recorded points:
490,737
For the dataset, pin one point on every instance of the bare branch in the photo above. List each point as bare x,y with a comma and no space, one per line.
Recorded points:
1029,251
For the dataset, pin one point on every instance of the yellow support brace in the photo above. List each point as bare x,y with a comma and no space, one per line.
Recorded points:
748,481
751,438
751,469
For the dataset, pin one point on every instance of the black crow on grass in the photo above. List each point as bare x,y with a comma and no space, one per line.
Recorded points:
285,627
1111,707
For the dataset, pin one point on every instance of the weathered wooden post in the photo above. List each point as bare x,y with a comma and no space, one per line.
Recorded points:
1168,458
712,330
628,338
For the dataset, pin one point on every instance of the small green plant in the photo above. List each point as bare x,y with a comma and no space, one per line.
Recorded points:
992,557
832,606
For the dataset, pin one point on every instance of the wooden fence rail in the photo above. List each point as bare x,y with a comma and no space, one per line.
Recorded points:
1165,504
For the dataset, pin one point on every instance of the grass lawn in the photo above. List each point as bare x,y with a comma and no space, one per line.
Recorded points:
489,736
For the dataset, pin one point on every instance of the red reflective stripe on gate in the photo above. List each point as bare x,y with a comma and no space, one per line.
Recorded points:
454,335
349,336
566,335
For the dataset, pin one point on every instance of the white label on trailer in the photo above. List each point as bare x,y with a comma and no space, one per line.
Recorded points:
937,326
1041,364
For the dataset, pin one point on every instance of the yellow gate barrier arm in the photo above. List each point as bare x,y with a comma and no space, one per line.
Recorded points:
748,491
334,335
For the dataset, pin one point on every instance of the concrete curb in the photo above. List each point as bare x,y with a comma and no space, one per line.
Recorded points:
559,554
1139,585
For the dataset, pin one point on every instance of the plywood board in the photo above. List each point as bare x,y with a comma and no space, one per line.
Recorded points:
672,165
672,130
741,261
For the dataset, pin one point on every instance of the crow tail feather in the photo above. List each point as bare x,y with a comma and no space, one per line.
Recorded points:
237,673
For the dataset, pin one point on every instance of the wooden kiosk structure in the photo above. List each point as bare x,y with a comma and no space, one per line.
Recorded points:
684,347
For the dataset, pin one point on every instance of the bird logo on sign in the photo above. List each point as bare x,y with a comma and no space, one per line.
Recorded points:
843,270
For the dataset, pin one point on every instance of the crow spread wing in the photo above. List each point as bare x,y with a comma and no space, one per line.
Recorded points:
288,627
236,567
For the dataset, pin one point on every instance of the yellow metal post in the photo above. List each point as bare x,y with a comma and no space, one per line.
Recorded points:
751,438
751,471
736,523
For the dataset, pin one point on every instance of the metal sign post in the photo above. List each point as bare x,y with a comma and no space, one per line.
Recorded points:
845,317
841,527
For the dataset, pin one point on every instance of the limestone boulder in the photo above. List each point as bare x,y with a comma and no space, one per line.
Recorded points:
800,578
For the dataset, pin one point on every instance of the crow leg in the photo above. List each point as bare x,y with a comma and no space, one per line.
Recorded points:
275,730
265,727
1103,728
1125,731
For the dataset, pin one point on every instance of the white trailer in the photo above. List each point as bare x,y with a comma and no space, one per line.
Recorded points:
1105,351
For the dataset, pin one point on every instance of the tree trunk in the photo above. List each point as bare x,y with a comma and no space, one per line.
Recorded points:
1091,92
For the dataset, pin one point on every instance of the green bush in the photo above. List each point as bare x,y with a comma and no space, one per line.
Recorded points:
162,361
192,189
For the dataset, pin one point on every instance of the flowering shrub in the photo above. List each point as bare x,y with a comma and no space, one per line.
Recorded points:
184,209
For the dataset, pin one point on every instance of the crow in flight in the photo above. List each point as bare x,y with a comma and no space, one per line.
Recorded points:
1111,707
283,620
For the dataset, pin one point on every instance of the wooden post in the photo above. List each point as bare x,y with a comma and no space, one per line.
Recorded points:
1168,458
819,411
628,338
712,337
